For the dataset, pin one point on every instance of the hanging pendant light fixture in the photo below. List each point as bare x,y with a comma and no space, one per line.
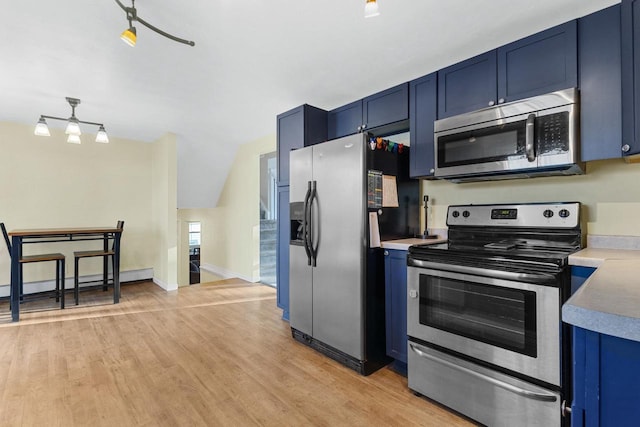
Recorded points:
129,35
73,125
41,128
371,9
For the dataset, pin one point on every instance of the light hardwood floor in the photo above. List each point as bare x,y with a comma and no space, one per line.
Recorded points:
206,355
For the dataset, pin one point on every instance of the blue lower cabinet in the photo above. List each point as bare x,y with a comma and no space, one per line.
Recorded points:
395,270
606,380
282,254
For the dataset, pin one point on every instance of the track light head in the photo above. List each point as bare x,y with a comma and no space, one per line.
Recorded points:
129,36
371,9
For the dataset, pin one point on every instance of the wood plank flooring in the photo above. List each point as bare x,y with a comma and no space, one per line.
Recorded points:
207,355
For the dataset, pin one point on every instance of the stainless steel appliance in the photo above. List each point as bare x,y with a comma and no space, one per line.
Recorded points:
484,323
532,137
336,281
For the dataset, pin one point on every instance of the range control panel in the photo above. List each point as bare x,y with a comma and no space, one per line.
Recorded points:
548,215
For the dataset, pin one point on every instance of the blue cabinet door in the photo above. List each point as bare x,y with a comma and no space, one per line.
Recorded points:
388,106
300,127
422,114
539,64
290,135
282,255
467,86
345,120
395,264
600,85
630,77
606,380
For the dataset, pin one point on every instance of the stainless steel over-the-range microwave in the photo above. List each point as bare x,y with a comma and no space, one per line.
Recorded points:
531,137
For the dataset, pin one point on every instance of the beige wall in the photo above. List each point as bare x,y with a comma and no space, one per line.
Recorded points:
50,183
230,231
609,191
164,211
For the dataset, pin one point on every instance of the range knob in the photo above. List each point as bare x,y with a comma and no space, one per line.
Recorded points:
455,214
548,213
564,213
466,214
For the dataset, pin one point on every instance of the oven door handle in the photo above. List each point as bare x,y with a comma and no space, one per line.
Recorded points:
544,397
498,274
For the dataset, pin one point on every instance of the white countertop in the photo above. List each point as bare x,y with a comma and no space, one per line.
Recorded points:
594,257
403,244
609,301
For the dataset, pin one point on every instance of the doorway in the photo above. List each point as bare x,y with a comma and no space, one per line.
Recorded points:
194,252
268,218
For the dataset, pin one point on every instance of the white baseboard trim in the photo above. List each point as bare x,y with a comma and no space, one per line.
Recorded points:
49,285
224,273
165,285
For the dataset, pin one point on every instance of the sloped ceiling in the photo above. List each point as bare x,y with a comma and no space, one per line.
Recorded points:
252,60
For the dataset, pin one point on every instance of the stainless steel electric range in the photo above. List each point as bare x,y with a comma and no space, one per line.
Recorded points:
484,312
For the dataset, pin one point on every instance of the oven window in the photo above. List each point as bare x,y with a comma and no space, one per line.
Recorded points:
495,143
495,315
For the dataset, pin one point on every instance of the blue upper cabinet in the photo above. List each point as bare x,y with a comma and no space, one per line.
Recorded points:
539,64
381,109
422,113
297,128
599,47
630,77
467,86
386,107
345,120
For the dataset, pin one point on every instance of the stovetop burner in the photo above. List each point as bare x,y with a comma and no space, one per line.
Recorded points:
525,236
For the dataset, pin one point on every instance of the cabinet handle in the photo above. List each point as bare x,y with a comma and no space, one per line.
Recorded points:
386,253
501,101
364,127
359,128
625,148
432,171
492,103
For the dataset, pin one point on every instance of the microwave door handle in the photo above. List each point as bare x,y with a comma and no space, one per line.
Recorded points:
305,223
528,142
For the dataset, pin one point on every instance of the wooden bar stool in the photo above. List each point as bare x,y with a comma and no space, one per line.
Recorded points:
106,252
28,259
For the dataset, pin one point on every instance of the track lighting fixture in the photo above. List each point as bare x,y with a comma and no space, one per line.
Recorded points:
371,9
129,35
73,125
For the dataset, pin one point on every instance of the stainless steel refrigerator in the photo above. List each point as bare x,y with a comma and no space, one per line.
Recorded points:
336,281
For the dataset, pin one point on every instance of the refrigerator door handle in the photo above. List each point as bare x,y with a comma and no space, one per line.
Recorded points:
314,251
305,223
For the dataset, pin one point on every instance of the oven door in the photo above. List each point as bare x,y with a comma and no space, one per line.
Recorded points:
510,324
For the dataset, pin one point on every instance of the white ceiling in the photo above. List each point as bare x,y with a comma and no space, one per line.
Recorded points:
252,60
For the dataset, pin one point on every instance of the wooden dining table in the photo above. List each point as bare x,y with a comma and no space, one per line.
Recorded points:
22,237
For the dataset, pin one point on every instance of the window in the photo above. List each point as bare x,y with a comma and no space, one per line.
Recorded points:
194,234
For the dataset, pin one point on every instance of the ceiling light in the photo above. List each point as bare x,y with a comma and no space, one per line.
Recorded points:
41,128
371,9
102,135
129,35
74,139
73,125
